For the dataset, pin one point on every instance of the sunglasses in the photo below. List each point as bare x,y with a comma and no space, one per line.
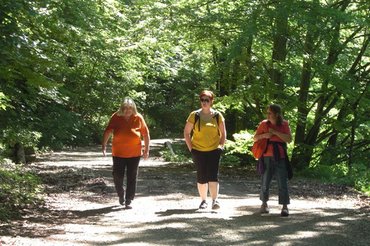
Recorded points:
204,100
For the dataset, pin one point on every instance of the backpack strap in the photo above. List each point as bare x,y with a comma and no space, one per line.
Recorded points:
197,119
217,116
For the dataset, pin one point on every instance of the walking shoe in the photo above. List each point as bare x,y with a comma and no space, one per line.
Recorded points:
215,204
121,200
127,204
203,205
285,212
264,209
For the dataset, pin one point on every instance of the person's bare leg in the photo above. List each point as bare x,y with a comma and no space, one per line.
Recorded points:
213,190
203,190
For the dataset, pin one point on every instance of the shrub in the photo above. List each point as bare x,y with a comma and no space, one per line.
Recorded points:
238,152
180,155
20,189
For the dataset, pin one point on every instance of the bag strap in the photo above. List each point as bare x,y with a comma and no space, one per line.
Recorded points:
217,116
197,118
268,140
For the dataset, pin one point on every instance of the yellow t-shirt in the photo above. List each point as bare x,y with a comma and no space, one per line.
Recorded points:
208,138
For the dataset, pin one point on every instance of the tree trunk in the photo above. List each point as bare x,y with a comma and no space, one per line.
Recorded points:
19,154
298,159
305,152
279,51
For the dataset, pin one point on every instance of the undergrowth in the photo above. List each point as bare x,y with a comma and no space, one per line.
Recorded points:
238,154
20,189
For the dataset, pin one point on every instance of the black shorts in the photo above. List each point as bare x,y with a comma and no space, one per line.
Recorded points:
207,164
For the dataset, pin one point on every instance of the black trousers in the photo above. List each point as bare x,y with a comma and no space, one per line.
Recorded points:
207,164
130,166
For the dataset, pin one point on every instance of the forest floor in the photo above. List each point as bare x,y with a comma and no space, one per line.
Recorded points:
81,208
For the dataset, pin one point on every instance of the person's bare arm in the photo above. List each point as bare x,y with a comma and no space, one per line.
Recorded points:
257,137
187,130
285,137
222,128
146,146
106,137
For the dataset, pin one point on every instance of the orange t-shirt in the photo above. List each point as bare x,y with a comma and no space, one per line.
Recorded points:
284,128
127,135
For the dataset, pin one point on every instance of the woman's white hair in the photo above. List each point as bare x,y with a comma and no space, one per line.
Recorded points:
127,102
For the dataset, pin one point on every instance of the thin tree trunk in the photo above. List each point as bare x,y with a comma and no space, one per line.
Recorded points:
325,99
309,51
279,51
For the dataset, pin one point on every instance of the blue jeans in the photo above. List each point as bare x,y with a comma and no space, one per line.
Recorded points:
277,168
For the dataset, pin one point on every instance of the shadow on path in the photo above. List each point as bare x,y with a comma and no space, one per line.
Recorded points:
80,209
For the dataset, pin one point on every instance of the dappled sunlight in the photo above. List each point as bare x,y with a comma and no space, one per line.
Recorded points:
329,224
348,218
81,163
165,210
300,235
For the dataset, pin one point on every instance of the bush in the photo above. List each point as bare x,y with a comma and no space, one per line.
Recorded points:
181,153
238,152
358,177
20,189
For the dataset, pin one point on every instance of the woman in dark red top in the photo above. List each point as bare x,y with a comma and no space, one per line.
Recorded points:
277,131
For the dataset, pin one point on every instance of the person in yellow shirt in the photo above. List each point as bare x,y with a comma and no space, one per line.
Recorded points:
205,135
128,128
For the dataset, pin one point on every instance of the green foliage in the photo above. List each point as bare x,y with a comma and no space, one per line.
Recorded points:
238,152
20,189
62,128
27,138
358,177
4,101
180,153
230,160
66,65
242,143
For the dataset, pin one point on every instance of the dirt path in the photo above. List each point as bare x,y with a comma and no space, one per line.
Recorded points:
82,209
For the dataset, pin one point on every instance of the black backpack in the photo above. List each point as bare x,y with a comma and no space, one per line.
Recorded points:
197,119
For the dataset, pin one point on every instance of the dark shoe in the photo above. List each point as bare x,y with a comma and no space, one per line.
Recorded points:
285,212
121,200
264,209
215,204
203,205
127,204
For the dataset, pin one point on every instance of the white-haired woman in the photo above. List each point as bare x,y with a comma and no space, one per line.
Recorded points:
128,128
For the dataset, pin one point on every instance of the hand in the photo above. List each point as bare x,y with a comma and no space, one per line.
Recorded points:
190,148
146,155
104,150
272,131
267,135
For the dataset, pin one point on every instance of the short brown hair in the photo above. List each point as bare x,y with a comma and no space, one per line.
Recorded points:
207,93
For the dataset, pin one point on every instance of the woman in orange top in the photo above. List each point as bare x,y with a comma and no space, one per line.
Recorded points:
277,131
128,127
